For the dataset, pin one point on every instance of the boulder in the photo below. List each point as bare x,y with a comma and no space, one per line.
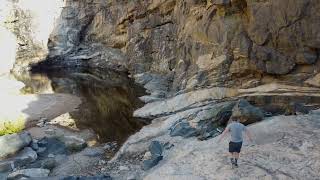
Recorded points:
74,143
26,156
10,144
51,146
247,112
29,173
183,129
156,148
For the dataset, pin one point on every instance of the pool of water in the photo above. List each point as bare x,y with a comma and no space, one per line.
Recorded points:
108,99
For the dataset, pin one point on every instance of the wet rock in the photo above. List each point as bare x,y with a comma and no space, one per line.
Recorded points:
26,156
183,129
74,143
12,143
249,113
29,173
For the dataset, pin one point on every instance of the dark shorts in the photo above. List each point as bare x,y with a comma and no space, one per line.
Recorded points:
235,147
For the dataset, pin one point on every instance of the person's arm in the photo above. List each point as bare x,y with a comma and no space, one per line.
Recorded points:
225,132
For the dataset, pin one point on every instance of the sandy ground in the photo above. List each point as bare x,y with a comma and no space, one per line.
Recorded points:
35,107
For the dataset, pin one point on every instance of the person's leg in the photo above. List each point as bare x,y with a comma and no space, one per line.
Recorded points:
231,151
237,153
236,157
232,158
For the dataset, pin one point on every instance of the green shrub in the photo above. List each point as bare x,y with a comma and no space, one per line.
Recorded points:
11,127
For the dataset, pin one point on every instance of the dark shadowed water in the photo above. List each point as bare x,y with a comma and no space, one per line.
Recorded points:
108,99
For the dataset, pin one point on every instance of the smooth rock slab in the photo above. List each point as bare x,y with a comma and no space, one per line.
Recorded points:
10,144
29,173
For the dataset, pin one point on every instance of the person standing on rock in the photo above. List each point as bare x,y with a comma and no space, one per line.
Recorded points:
236,129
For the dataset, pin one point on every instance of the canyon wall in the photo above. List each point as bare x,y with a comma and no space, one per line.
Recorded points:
178,45
173,47
191,44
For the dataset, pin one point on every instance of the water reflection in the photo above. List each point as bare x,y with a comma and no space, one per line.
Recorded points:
108,99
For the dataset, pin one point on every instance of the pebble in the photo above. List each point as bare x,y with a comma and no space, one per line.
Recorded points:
51,156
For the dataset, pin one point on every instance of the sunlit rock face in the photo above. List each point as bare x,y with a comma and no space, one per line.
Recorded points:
7,50
194,44
31,22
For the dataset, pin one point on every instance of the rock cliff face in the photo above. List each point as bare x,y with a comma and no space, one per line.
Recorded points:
194,44
178,45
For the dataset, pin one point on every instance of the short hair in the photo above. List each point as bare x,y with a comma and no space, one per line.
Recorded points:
234,118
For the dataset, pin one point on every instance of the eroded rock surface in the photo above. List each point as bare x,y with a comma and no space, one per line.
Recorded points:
282,147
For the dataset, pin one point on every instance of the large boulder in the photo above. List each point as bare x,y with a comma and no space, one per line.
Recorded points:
10,144
247,112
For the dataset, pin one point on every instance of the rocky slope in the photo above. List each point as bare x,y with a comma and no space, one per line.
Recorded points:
283,148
